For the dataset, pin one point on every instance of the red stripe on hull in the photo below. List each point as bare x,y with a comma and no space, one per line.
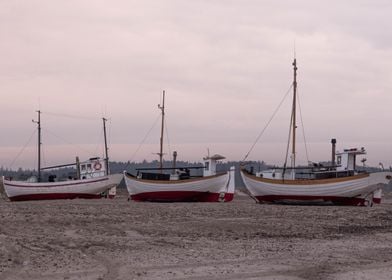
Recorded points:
377,200
312,200
50,196
229,197
182,196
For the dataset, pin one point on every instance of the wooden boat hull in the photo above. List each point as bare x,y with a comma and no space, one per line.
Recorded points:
356,190
218,188
86,188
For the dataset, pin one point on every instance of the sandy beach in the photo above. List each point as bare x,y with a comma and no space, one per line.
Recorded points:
120,239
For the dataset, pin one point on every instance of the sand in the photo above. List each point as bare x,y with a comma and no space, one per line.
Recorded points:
118,239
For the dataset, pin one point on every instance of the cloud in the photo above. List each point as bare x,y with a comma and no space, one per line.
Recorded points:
224,64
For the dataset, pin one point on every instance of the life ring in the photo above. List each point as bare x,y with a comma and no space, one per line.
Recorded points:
97,165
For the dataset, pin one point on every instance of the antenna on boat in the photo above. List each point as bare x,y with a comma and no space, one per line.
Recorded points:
39,144
78,175
106,147
162,108
294,112
174,162
295,49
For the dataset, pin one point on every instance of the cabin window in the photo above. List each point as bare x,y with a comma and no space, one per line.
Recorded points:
83,167
89,166
207,166
339,160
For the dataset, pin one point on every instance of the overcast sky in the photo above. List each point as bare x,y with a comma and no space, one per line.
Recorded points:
224,64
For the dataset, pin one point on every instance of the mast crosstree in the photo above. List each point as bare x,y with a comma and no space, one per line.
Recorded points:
294,121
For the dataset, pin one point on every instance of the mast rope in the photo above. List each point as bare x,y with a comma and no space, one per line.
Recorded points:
97,147
66,141
22,150
70,116
144,139
109,134
288,144
43,154
268,123
303,127
168,140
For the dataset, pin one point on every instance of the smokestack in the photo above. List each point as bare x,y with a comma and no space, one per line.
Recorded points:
78,175
333,142
174,161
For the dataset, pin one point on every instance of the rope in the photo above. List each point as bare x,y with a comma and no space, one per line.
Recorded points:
43,154
70,116
46,130
142,142
66,141
22,150
167,136
303,127
268,123
288,143
97,147
108,135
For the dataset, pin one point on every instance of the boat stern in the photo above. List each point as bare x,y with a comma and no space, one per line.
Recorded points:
227,194
379,178
2,189
114,181
377,194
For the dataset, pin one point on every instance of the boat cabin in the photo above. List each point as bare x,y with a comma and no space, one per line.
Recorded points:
181,173
346,160
210,163
344,165
92,168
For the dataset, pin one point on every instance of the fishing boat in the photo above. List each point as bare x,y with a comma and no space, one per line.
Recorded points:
92,181
339,183
154,185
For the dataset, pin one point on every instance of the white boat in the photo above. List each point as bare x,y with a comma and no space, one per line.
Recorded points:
179,186
84,188
93,180
358,189
339,184
212,187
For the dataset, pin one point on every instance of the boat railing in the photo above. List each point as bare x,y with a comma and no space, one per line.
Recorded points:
325,174
169,168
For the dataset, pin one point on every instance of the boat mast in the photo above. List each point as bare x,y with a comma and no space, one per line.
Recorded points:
294,114
162,108
39,145
106,147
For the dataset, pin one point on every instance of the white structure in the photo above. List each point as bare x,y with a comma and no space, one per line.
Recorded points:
92,168
95,168
346,160
210,164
